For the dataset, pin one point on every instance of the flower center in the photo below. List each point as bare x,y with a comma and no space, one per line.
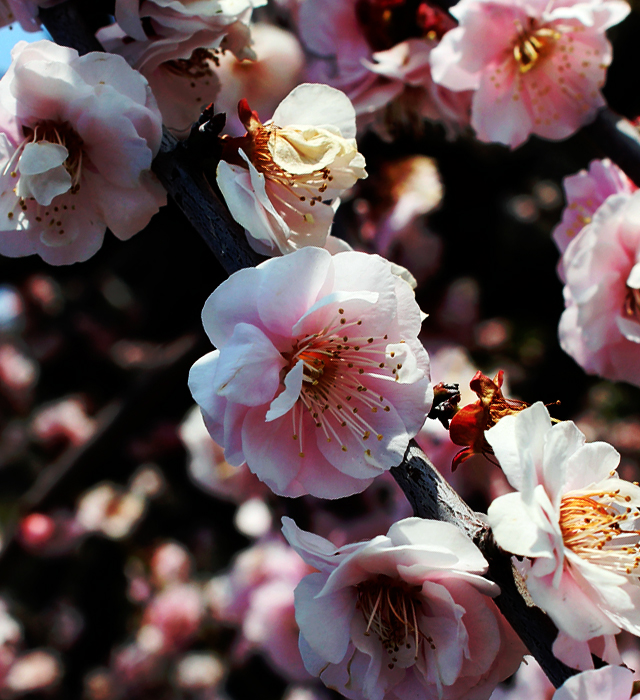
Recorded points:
631,304
600,527
312,183
391,608
334,362
532,45
64,135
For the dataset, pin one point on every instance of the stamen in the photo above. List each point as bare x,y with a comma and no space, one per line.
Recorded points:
601,528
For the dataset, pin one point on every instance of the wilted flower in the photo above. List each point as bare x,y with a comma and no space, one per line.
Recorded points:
469,424
76,158
536,68
402,616
320,380
282,180
600,327
574,521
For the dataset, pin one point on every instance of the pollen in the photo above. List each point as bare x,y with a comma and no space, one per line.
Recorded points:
600,527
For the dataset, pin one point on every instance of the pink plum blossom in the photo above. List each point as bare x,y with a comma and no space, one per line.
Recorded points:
608,683
282,181
173,616
536,67
175,45
402,616
576,524
319,380
600,327
257,596
380,55
80,135
209,469
585,192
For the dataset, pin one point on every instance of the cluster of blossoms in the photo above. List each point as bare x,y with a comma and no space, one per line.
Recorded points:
319,379
79,134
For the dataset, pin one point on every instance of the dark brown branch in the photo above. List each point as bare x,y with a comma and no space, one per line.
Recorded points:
433,498
204,211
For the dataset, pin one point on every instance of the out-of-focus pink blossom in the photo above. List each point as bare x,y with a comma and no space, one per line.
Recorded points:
171,563
283,179
257,596
80,135
263,82
380,55
391,208
65,421
585,192
199,671
36,530
536,68
111,510
403,615
319,380
33,671
175,613
574,522
18,374
600,327
50,534
208,467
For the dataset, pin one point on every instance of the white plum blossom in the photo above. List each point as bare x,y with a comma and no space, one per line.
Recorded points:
282,181
319,380
404,615
575,523
80,135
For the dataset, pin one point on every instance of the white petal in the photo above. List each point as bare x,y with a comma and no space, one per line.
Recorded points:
286,400
317,105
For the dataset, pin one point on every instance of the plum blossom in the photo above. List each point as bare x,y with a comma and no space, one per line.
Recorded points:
175,44
283,179
80,135
608,683
257,596
536,67
319,380
585,192
404,615
379,54
600,327
576,524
